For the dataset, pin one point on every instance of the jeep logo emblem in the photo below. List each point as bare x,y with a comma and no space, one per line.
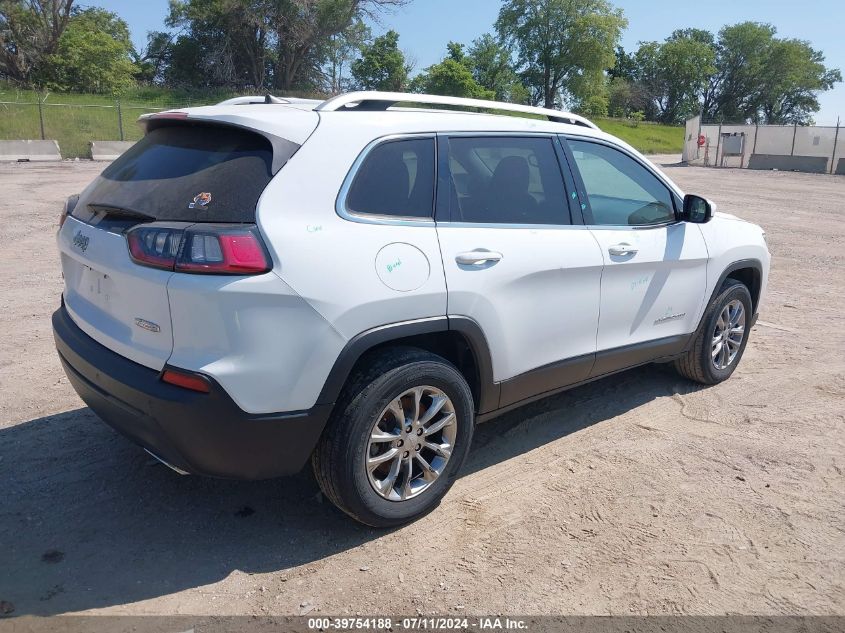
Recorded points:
80,241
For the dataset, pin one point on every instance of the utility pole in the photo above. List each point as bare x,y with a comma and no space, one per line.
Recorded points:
794,133
41,114
119,120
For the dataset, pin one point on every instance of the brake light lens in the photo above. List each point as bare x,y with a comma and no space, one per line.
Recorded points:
169,114
67,209
200,249
228,252
186,380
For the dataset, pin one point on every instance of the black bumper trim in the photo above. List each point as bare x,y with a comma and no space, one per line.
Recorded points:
202,434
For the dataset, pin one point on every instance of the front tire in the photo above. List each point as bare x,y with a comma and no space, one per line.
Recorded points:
396,439
722,337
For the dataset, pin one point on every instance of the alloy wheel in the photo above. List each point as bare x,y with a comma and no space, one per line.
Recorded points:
728,334
411,443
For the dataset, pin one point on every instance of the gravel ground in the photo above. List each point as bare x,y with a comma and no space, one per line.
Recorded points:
638,494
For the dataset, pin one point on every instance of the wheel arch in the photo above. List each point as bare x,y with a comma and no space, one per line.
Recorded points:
459,340
747,271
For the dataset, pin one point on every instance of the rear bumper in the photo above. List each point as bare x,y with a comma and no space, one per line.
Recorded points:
202,434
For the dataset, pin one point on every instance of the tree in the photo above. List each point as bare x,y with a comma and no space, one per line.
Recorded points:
562,46
280,44
698,35
340,51
29,32
491,67
152,62
673,75
93,55
382,65
624,67
450,78
223,42
302,25
732,93
795,74
762,78
620,97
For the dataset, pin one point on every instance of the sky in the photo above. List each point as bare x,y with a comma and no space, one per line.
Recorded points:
425,26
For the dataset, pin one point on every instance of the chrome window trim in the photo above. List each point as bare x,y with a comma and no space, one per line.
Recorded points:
497,134
500,225
632,227
372,218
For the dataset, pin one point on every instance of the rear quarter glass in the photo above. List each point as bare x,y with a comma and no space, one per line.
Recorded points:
186,173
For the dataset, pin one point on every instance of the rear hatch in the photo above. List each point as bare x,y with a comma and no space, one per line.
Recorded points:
182,174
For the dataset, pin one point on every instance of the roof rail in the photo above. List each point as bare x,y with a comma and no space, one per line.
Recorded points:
269,99
252,99
380,101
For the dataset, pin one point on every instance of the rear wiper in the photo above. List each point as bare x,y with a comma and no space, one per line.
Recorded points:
112,211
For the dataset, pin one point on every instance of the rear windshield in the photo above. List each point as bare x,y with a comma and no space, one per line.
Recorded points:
187,173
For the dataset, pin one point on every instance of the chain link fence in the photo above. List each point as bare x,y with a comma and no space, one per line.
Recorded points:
75,125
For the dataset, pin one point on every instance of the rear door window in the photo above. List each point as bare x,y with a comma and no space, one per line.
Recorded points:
186,173
505,180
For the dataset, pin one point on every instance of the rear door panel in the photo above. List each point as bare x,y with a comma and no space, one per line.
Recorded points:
537,306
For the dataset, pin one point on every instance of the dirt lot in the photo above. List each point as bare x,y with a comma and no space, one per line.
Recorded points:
639,494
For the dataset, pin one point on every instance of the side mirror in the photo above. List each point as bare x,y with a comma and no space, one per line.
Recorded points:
697,210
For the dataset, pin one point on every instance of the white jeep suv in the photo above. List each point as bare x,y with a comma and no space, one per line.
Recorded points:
360,281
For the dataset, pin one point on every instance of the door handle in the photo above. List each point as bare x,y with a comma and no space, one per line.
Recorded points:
622,249
477,258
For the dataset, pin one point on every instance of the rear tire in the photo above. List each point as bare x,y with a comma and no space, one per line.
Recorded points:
721,339
383,472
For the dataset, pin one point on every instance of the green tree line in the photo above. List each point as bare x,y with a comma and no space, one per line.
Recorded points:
554,53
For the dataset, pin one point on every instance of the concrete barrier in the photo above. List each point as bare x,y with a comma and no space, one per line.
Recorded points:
109,150
29,151
809,164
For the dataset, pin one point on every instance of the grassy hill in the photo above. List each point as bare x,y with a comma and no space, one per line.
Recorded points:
76,119
649,138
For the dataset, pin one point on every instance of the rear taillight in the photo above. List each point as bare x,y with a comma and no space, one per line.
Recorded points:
231,251
204,249
155,246
67,209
